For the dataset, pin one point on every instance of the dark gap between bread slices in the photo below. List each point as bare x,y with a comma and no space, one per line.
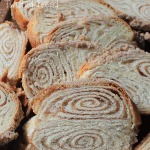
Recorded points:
5,10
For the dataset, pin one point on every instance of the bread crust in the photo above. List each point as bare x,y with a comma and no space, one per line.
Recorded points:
19,17
32,34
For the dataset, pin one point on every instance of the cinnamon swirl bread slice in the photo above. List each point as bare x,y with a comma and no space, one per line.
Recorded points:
137,12
145,144
10,114
45,19
102,31
12,49
49,64
91,115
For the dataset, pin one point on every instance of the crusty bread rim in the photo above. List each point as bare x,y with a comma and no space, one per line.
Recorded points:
18,16
36,103
33,36
87,20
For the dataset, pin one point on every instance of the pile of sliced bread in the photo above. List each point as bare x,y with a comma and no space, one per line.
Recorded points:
77,66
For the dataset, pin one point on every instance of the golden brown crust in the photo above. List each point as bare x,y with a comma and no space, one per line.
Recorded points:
18,16
32,35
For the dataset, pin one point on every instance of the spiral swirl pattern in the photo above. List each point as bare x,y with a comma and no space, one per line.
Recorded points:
74,136
83,115
140,64
44,69
49,64
94,30
10,110
12,49
85,101
132,75
142,9
93,102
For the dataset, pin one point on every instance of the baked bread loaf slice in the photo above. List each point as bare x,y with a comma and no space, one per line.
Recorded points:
91,115
145,144
12,49
44,19
136,12
10,114
131,68
102,31
50,63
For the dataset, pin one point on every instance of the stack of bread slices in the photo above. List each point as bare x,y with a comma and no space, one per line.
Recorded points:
84,77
